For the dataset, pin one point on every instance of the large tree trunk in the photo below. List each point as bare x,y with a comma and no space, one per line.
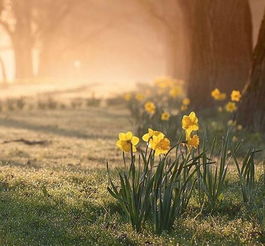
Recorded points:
251,111
171,55
220,36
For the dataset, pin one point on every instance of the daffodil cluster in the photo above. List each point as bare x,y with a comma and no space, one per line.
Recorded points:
229,106
155,140
190,123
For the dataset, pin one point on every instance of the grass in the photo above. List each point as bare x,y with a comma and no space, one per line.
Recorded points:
56,194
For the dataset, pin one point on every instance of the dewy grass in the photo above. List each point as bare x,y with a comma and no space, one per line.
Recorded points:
158,185
57,194
172,189
247,176
159,190
212,175
134,192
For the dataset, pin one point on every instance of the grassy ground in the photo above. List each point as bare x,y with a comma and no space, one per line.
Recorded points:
55,194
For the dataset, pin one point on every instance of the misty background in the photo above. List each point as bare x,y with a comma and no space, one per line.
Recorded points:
117,41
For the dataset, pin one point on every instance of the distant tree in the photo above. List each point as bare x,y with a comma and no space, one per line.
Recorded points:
220,41
66,29
251,111
29,23
16,20
38,24
3,71
166,19
49,17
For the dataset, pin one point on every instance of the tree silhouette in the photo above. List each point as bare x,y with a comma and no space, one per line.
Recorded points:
251,111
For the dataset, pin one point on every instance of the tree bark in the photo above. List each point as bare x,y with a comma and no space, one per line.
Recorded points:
220,36
251,112
171,55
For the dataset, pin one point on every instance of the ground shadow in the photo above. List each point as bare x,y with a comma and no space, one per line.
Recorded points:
10,123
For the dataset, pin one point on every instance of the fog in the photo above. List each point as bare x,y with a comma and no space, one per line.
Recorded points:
118,41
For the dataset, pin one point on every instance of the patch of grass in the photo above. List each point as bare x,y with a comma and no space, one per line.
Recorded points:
56,194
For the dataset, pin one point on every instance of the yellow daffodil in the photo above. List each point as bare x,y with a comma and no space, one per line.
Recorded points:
193,142
239,127
139,97
186,101
230,107
150,107
146,137
160,144
222,97
175,91
234,139
127,141
217,95
190,123
231,123
235,96
127,96
165,116
220,109
183,107
163,82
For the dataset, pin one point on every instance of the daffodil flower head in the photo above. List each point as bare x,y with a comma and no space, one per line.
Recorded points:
163,82
217,95
160,144
235,96
186,101
127,96
183,107
146,137
230,107
222,97
239,127
175,91
234,139
190,123
139,97
150,107
165,116
231,123
193,142
127,142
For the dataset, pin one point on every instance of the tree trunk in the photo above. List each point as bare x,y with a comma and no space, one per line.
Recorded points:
45,62
251,112
171,55
23,60
22,40
3,71
220,36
